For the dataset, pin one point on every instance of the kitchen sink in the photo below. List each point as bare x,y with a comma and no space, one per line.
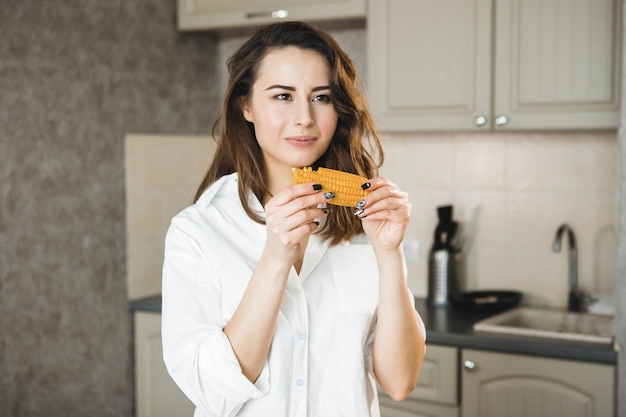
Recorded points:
552,324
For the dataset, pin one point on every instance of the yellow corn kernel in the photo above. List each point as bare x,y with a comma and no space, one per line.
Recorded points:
346,186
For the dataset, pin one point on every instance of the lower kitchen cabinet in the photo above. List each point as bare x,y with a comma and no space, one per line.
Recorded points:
497,384
436,394
156,394
491,384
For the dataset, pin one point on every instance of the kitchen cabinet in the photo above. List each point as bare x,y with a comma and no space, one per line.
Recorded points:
156,394
217,14
494,64
436,394
498,384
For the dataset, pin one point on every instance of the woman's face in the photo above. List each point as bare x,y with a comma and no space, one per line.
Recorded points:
290,107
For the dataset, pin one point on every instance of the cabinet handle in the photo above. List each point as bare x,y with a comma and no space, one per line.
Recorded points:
480,121
469,365
274,14
501,120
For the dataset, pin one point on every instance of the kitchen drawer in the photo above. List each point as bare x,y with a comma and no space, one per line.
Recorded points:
436,393
438,381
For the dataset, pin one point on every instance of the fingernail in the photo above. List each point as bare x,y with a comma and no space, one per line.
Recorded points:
317,222
325,210
329,195
361,203
366,185
317,187
358,211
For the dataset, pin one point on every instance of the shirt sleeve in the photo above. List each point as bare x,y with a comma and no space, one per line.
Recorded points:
196,351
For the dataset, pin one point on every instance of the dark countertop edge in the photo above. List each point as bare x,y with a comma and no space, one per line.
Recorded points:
585,352
453,326
151,304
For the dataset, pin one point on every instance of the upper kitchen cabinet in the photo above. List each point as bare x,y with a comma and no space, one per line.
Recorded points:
218,14
557,64
494,64
429,63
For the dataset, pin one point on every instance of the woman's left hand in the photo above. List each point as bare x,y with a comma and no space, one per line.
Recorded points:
385,213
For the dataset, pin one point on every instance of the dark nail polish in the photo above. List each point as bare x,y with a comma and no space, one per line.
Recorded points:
317,222
366,185
358,211
361,203
317,187
329,195
325,210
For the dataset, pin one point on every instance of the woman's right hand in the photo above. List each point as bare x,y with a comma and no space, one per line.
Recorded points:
290,217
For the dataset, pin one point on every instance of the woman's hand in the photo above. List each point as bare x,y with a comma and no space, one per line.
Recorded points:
385,214
290,217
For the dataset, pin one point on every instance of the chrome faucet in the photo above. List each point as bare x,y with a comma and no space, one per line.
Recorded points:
575,297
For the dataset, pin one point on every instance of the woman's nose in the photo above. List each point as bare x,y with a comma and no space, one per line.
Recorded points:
303,115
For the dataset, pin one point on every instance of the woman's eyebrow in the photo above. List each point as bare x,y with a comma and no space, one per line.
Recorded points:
280,87
289,88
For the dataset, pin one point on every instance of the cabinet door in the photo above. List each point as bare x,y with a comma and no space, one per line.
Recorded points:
523,386
429,63
215,14
557,63
156,394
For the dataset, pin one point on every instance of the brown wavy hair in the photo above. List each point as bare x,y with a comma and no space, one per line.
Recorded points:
355,146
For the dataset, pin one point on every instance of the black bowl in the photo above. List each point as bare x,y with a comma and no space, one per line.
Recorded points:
488,301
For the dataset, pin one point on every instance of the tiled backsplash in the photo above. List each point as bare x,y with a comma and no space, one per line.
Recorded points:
510,192
162,174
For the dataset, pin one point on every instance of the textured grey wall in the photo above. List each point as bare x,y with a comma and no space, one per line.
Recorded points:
620,287
75,77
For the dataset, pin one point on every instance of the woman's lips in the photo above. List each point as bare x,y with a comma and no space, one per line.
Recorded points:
301,141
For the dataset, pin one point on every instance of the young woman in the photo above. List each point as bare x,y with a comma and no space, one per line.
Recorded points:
271,305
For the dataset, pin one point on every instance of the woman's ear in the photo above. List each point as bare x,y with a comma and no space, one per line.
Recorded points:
245,109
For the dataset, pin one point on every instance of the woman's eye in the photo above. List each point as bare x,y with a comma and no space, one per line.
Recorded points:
322,98
283,96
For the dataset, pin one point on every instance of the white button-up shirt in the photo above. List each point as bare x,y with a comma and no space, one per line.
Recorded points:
319,364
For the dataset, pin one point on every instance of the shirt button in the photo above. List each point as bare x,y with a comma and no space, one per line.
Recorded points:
300,382
302,336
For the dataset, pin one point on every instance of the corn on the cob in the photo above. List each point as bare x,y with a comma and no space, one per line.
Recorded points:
346,186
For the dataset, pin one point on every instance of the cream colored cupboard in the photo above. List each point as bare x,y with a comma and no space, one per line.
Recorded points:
494,64
497,384
216,14
429,63
156,394
436,394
